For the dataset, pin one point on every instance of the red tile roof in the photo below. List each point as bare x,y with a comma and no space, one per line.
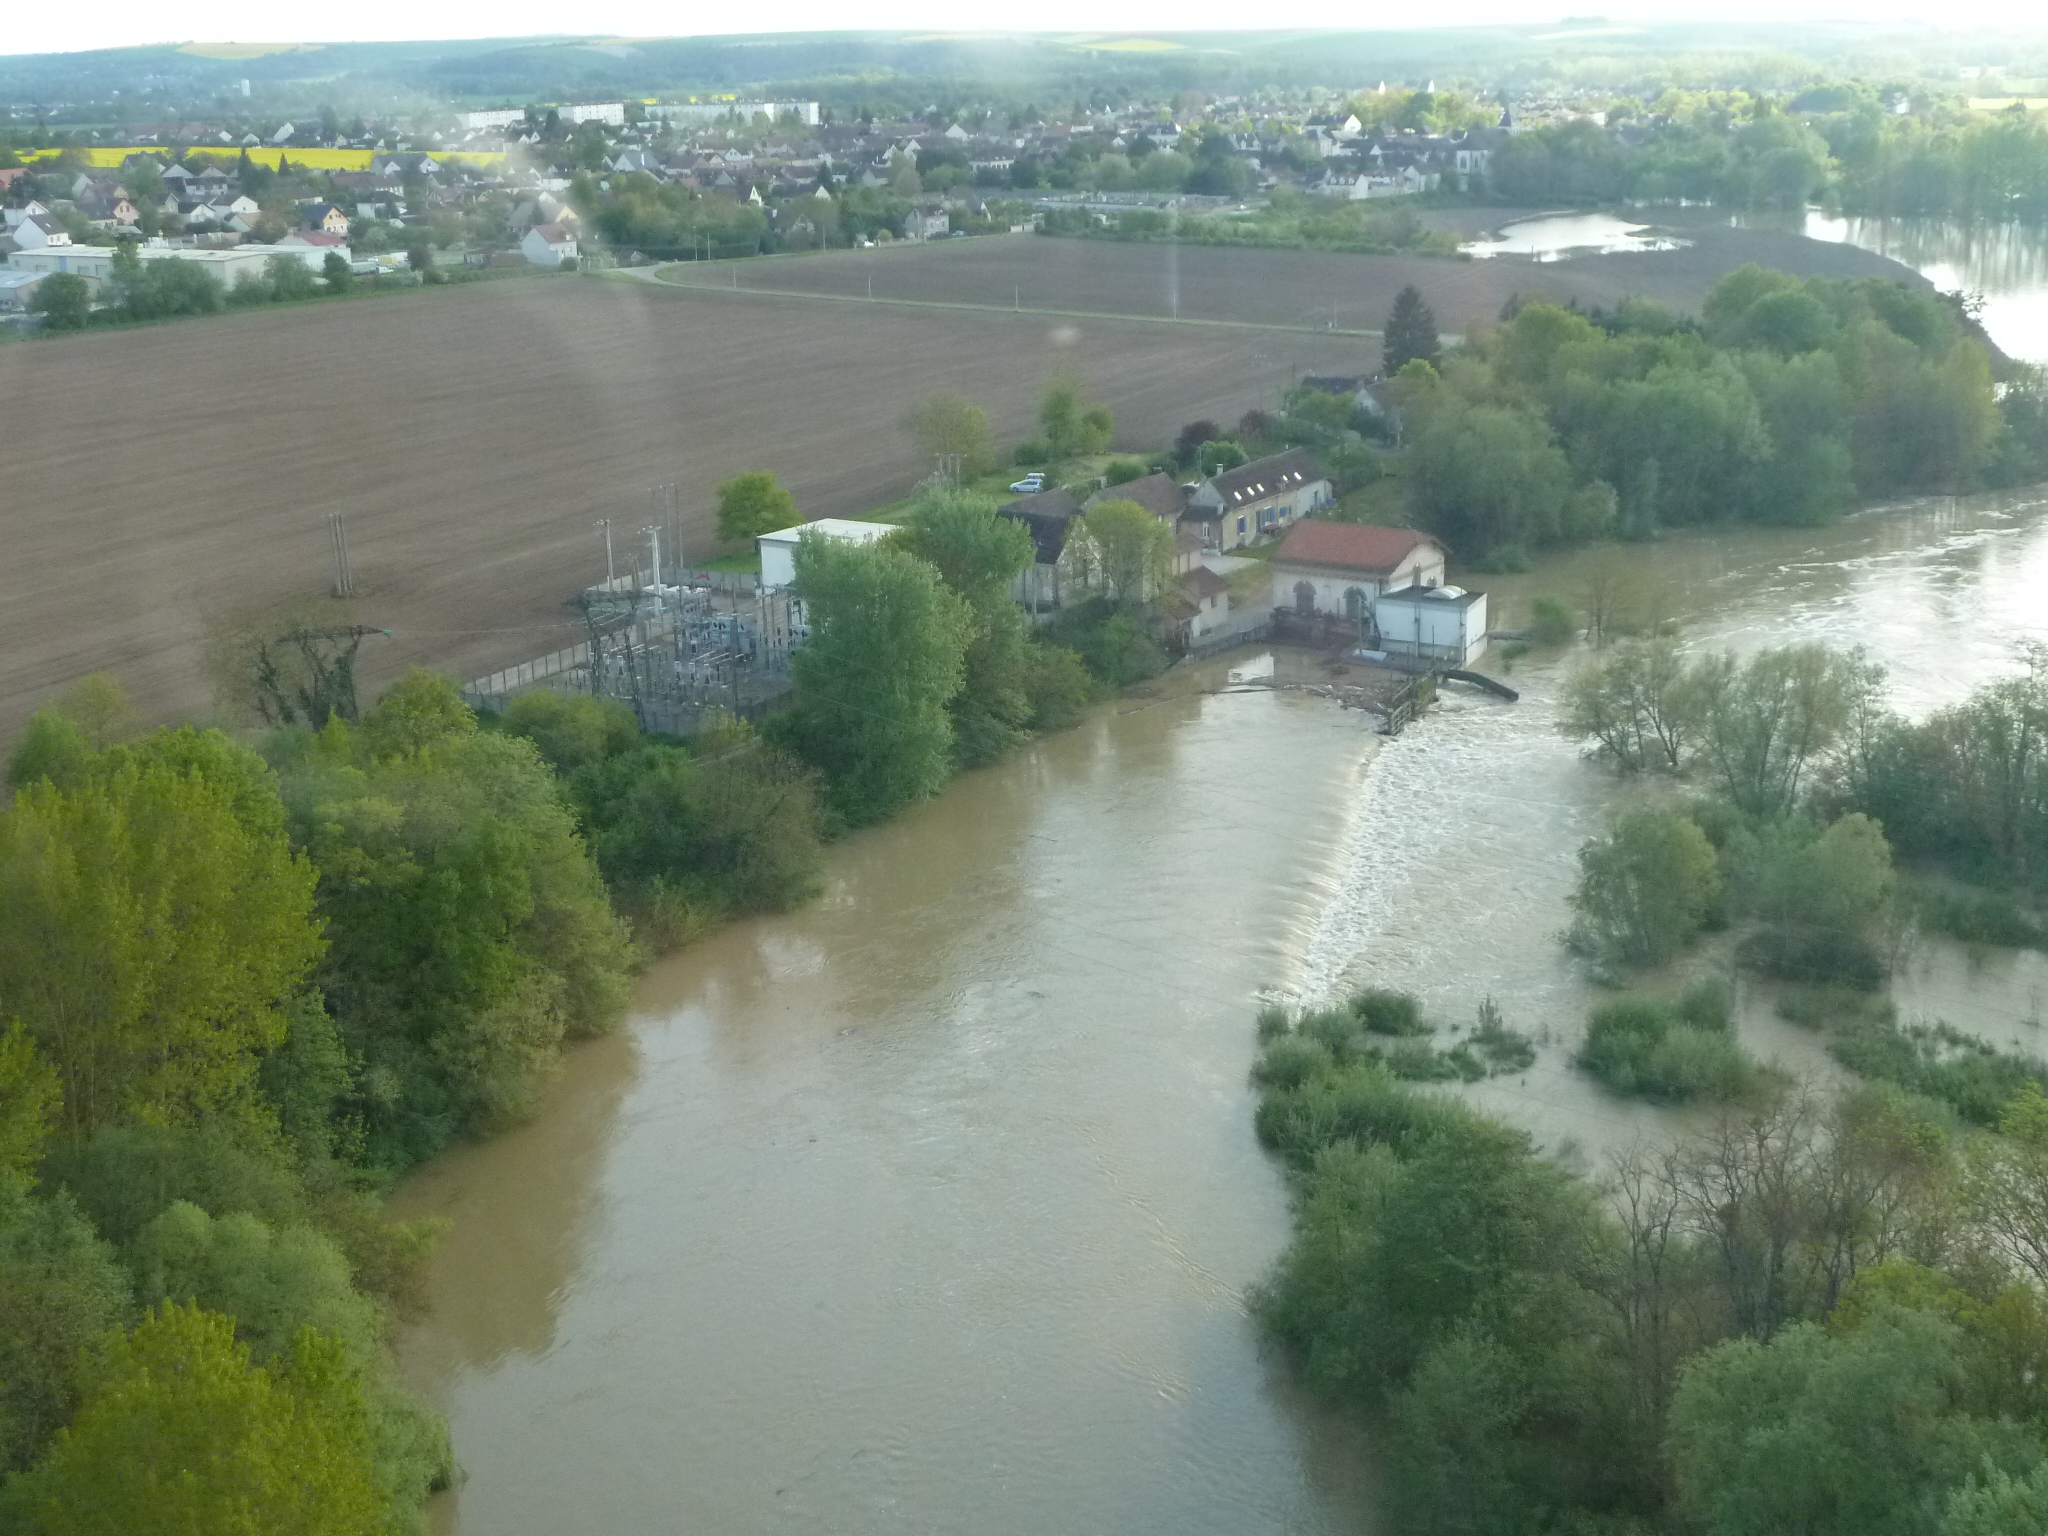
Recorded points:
1352,546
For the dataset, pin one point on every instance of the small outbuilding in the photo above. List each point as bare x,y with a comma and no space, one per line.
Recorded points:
1446,624
778,549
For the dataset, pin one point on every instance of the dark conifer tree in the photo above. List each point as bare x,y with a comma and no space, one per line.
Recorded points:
1410,332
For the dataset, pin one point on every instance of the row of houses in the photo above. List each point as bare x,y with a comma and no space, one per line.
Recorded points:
1214,515
1383,588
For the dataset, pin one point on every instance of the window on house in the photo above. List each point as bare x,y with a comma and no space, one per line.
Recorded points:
1240,527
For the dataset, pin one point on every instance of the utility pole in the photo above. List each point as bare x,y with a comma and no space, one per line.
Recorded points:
654,549
611,573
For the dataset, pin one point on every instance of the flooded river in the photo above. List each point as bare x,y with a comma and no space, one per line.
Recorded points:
930,1208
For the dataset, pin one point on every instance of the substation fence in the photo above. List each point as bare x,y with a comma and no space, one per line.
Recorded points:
673,654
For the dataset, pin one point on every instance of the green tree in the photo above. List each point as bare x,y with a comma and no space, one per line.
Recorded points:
290,278
1214,458
2005,1186
272,1282
954,425
1071,425
62,1295
1131,550
1487,478
64,300
1840,882
572,730
183,1433
1410,333
1765,724
1999,1505
158,925
979,554
873,684
752,504
1863,1434
469,930
335,272
1644,888
1633,703
30,1099
728,825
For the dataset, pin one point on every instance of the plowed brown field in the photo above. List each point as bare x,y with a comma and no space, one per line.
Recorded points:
159,477
1312,289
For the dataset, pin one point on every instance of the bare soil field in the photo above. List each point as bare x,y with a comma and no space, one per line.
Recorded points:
1312,290
162,477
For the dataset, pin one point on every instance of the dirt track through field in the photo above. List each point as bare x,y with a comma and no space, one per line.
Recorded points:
164,476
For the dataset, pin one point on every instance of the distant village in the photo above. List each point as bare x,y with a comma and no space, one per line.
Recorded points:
643,181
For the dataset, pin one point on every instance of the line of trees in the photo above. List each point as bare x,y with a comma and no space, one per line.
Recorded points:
1787,402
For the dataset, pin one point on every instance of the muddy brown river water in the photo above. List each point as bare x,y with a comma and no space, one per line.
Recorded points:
931,1207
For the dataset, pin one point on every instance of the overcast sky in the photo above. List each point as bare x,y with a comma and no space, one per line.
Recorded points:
40,27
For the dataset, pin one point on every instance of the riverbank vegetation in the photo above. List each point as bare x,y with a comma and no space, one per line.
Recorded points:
1784,842
247,983
1783,402
1811,786
205,1078
1814,1315
1838,143
920,664
1804,776
1388,1029
1676,1052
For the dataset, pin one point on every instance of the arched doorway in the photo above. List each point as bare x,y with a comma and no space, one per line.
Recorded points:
1354,607
1304,597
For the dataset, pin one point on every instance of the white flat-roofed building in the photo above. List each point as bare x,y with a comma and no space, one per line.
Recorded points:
805,112
17,288
89,261
1433,623
778,549
97,261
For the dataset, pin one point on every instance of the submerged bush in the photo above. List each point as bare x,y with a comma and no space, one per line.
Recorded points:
1982,917
1672,1053
1976,1080
1381,1012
